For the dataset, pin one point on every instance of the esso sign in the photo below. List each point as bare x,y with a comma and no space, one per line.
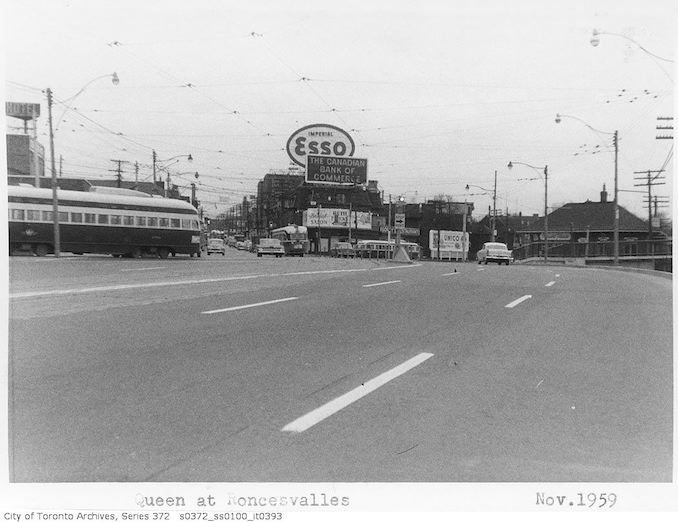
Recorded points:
320,140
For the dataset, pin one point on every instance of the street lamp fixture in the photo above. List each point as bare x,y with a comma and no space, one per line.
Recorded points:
156,160
615,140
545,170
55,197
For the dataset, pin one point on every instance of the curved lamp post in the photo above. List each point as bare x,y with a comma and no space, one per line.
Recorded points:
55,198
156,160
615,139
595,40
545,170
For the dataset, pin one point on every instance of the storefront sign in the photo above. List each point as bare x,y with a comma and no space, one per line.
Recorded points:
337,218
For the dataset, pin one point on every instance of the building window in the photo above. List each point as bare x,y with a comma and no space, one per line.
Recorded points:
341,199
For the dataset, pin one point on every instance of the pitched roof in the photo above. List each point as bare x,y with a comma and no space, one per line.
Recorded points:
592,214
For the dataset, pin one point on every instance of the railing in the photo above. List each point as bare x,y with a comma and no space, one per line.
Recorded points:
601,249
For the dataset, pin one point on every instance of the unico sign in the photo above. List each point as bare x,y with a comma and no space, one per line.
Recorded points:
319,139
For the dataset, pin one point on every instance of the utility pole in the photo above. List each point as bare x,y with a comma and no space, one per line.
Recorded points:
61,164
118,171
616,198
494,205
136,172
55,199
650,181
155,158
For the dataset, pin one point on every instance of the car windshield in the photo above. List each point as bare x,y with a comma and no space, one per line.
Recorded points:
496,246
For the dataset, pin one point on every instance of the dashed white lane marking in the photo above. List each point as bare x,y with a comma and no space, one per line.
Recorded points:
319,414
451,273
557,275
480,269
394,267
550,283
242,307
384,283
137,269
518,301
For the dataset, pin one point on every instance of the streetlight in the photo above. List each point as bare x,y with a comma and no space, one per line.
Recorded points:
595,40
55,197
156,160
546,198
615,140
494,202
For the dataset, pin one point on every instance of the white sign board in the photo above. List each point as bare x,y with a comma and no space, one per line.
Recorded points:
453,244
399,221
336,218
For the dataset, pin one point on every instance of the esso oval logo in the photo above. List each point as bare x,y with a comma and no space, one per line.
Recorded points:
319,139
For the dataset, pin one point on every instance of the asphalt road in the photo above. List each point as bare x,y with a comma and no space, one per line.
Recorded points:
344,371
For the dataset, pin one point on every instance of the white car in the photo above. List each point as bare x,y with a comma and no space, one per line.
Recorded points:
494,252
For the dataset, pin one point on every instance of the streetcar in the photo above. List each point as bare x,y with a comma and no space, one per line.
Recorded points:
385,249
294,239
124,223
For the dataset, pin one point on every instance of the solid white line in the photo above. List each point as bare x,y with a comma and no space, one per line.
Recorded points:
480,269
397,266
384,283
242,307
319,414
92,289
135,269
557,275
550,283
451,273
518,301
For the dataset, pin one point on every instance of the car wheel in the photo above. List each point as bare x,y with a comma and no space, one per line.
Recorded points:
486,261
258,255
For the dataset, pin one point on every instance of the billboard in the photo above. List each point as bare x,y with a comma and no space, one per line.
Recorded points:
319,139
452,244
336,170
336,218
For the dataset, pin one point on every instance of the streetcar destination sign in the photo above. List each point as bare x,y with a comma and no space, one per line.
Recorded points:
319,139
331,169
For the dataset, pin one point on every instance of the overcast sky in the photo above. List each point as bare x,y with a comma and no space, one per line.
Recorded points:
436,95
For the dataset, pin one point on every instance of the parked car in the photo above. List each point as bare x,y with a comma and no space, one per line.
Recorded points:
240,245
342,249
494,252
270,246
216,246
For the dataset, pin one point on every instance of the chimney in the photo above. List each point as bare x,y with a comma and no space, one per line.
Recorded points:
603,195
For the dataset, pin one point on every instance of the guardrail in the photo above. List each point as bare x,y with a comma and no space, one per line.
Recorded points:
602,249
